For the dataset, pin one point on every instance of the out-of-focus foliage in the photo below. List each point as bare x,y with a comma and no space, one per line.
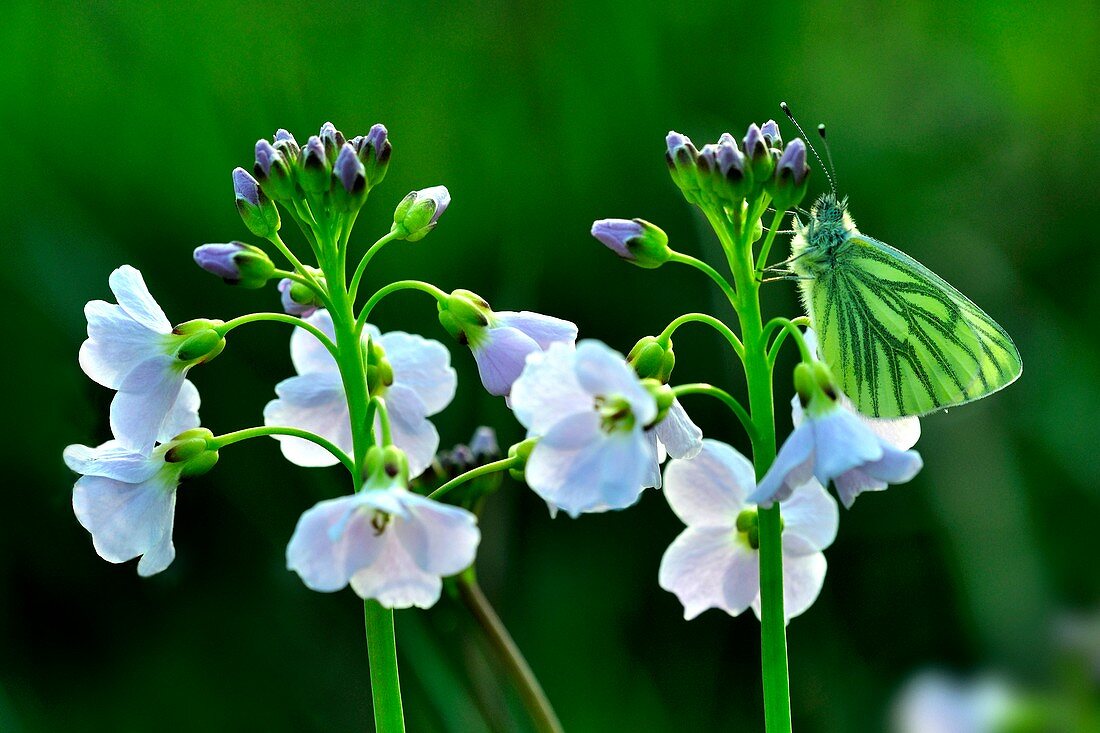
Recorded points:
964,134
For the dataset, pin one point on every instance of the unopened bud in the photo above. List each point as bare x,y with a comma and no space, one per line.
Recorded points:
652,359
635,240
316,169
788,185
236,263
258,212
419,212
298,299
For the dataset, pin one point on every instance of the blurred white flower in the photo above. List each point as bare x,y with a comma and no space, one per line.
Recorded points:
934,702
715,562
131,348
423,384
588,410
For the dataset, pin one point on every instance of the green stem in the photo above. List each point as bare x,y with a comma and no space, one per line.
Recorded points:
708,271
766,248
362,268
220,441
788,327
381,647
502,465
393,288
382,655
279,318
711,321
538,705
730,401
773,639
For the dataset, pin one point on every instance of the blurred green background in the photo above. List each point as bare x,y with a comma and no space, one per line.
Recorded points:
964,134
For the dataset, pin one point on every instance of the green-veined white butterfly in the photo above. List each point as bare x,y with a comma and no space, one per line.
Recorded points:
897,336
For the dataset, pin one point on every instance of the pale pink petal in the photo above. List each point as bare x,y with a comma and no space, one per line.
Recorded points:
709,489
116,343
602,371
680,436
501,356
810,519
422,365
184,414
307,353
395,580
127,520
441,539
144,400
332,541
131,293
548,391
313,402
545,330
803,578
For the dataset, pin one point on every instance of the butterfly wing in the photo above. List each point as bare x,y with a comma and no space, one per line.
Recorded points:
899,338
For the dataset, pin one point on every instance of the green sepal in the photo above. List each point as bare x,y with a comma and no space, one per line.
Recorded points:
202,341
664,397
521,452
262,220
464,315
254,266
190,450
652,359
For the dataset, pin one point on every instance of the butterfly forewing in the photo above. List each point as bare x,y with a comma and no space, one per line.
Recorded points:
899,338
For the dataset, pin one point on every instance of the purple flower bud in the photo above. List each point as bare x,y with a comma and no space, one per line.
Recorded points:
635,240
708,158
313,154
265,156
675,141
218,259
245,187
731,163
378,139
282,135
349,170
755,146
616,233
286,145
332,138
792,164
770,131
484,444
290,305
727,139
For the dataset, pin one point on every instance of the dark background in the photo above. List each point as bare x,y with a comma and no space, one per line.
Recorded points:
964,133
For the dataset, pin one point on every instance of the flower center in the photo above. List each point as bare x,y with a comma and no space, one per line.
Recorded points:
748,527
615,413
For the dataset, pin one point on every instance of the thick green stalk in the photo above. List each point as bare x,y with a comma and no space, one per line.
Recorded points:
381,647
773,627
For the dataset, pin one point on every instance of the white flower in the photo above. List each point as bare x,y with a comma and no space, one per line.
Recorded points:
900,432
933,702
588,410
388,543
423,384
677,434
131,348
127,500
501,348
715,562
833,443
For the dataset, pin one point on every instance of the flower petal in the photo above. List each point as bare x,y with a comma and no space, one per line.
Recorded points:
116,343
183,415
131,293
412,431
602,371
441,539
112,460
545,330
548,391
842,442
709,489
422,365
895,467
127,520
803,578
332,541
793,466
810,519
307,353
314,402
395,580
709,567
144,400
501,356
578,468
680,436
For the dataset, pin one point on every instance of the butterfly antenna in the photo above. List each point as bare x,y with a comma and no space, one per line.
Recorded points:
829,156
787,111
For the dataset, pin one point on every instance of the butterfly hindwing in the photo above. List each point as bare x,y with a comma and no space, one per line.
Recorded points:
899,338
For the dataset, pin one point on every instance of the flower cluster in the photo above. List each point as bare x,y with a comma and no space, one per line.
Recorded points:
360,397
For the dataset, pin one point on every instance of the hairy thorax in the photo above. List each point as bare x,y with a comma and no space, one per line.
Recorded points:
817,242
